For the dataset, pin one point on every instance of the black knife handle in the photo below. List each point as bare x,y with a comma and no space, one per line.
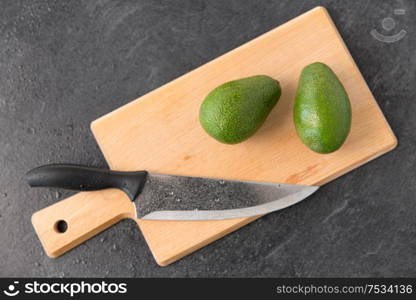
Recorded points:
83,178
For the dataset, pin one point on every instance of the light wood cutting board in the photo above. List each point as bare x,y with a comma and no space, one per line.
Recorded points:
160,132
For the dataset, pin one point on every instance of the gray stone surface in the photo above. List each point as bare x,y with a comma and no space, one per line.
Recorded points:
65,63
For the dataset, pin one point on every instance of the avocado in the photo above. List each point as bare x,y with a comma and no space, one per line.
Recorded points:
235,110
322,110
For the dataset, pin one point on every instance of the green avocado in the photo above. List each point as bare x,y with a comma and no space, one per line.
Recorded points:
322,111
235,110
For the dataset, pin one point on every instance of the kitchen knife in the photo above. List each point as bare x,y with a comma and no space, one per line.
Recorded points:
172,197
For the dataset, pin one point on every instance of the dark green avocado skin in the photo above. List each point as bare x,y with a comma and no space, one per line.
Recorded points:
235,110
322,110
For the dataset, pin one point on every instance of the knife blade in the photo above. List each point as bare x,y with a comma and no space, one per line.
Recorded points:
174,197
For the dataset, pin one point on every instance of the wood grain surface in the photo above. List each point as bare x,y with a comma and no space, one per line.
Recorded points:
160,132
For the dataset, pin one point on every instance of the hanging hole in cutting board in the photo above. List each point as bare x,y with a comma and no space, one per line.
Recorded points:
61,226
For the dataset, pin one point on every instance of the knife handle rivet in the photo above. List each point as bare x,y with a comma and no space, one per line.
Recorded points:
61,226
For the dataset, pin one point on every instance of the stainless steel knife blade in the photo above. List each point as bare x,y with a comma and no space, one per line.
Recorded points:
171,197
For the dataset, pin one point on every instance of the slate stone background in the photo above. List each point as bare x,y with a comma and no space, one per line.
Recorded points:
65,63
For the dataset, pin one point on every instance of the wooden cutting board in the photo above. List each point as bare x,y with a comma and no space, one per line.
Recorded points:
160,132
